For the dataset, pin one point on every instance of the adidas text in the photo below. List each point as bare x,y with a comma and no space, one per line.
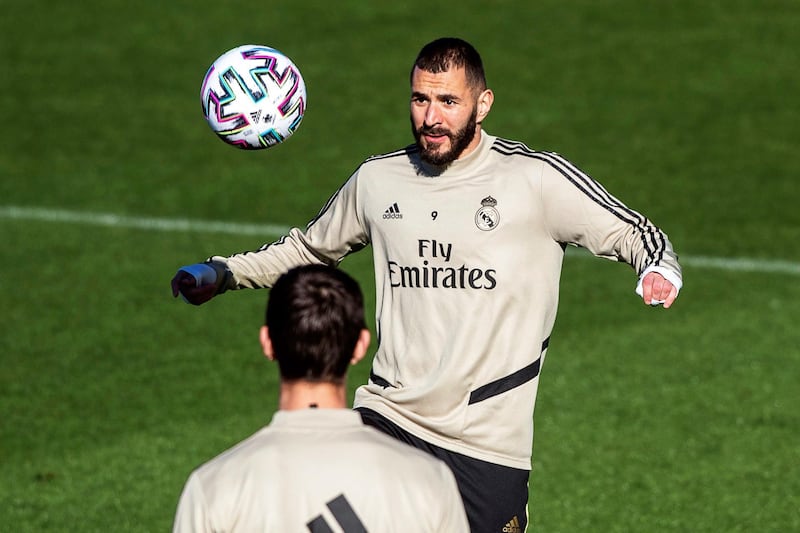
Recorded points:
392,212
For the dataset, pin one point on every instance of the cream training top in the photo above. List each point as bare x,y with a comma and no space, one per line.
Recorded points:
467,271
321,470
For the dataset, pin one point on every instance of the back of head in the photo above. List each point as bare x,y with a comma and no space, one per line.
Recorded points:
315,315
446,53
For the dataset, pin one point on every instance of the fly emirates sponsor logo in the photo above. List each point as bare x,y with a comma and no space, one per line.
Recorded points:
435,272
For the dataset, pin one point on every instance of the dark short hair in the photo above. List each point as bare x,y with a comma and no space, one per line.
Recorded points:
315,315
451,52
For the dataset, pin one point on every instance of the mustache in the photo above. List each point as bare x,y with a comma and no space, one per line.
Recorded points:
427,130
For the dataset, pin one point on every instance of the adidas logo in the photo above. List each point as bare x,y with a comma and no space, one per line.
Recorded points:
512,526
393,211
344,515
255,116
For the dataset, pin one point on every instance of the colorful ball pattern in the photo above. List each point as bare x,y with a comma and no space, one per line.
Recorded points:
253,97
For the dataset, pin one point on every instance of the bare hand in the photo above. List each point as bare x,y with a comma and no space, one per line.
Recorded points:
656,289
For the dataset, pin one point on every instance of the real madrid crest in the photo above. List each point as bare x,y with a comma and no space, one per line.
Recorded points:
487,218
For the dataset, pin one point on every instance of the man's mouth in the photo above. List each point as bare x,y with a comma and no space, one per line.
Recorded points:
435,136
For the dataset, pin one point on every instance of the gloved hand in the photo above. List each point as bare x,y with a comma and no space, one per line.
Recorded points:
198,283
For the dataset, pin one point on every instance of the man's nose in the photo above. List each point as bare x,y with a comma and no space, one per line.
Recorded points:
432,115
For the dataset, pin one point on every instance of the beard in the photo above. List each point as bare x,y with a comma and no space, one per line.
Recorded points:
459,140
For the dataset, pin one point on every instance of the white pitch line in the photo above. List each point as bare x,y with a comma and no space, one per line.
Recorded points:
122,221
743,264
737,264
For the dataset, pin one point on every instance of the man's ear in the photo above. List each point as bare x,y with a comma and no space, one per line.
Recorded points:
266,343
362,345
485,101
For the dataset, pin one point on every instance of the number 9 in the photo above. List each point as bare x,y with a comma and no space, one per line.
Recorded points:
434,214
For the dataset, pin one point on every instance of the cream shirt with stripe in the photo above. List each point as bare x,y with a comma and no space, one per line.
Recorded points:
467,272
315,470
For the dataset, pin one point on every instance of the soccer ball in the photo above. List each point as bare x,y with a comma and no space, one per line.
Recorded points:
253,97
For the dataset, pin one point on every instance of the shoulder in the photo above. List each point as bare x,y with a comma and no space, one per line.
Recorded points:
401,157
548,162
393,155
380,166
511,149
237,456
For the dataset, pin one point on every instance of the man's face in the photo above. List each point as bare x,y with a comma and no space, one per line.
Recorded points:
443,115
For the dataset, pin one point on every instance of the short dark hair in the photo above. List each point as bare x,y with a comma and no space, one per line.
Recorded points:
315,315
451,52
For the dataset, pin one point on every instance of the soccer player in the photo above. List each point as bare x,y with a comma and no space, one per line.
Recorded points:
468,232
316,464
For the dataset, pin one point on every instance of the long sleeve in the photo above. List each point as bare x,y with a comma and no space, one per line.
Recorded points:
580,211
333,234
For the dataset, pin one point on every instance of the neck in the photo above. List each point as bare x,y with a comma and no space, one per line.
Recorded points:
476,141
304,394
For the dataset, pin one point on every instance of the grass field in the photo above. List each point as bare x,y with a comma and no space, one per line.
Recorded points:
111,392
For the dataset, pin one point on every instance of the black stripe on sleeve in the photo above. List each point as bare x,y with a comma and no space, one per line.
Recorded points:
652,239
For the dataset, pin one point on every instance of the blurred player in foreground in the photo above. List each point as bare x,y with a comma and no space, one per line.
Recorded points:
468,232
316,464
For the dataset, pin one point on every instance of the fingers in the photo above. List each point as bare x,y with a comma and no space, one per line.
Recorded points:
673,293
647,289
657,290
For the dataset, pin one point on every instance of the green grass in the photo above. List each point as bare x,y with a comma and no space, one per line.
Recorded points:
111,392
